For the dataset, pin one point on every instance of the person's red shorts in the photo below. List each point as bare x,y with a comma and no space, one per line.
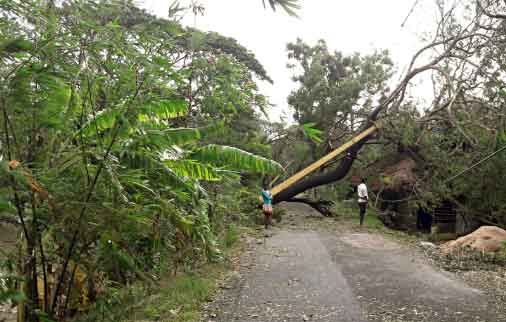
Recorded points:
267,210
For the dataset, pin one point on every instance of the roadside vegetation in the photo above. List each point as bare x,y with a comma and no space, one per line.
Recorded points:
133,148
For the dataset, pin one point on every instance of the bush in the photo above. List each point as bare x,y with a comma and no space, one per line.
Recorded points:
231,236
278,214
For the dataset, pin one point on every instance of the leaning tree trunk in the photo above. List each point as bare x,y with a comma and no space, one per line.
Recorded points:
321,179
393,101
330,176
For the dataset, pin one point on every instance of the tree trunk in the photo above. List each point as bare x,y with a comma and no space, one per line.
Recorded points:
321,179
338,173
322,206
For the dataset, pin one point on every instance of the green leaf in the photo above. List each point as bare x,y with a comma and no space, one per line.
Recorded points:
5,205
179,136
15,45
53,99
104,120
312,133
11,295
193,169
164,109
150,162
290,6
236,159
173,136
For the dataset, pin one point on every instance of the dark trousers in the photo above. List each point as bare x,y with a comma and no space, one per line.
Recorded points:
363,207
267,219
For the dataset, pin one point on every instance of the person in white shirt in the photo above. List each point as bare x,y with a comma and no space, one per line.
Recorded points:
363,199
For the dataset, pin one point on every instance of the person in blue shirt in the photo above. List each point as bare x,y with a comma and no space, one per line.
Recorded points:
267,206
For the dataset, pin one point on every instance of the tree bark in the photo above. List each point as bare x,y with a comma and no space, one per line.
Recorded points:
330,176
322,206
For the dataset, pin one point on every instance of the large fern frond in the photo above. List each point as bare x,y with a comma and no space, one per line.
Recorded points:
102,121
179,136
193,169
290,6
150,163
53,98
235,159
164,109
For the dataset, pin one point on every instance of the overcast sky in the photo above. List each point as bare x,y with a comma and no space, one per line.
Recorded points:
347,25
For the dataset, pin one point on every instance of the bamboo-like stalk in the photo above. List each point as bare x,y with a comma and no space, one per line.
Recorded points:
91,189
318,164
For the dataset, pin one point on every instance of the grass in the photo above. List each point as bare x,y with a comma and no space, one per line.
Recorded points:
179,298
349,211
172,298
231,236
372,221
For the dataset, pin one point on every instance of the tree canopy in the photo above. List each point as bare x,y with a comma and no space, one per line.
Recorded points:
111,120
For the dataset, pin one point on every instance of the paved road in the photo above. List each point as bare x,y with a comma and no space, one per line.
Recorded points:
345,277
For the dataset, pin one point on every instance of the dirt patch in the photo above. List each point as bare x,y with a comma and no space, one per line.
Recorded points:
482,271
369,241
485,239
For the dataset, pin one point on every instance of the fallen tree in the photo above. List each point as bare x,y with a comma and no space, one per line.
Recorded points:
456,72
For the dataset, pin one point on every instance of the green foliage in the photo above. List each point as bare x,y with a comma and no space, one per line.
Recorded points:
15,45
312,133
117,122
290,6
231,236
12,296
176,298
164,109
334,95
235,159
278,214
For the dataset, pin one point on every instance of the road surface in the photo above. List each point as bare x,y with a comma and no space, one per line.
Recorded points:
302,273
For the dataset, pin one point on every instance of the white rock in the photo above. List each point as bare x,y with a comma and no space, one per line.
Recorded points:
425,244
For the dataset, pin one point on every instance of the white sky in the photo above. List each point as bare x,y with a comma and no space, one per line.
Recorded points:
346,25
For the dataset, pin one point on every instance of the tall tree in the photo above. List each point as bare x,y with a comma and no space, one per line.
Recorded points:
335,91
464,57
100,142
336,94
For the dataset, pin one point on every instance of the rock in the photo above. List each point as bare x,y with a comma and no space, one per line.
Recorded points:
488,239
427,245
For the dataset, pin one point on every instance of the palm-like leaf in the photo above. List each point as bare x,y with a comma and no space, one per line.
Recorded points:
101,122
193,169
290,6
163,139
150,162
235,159
53,98
178,136
164,109
312,133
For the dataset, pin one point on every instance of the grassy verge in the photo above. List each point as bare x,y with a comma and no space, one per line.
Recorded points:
349,211
179,298
172,298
